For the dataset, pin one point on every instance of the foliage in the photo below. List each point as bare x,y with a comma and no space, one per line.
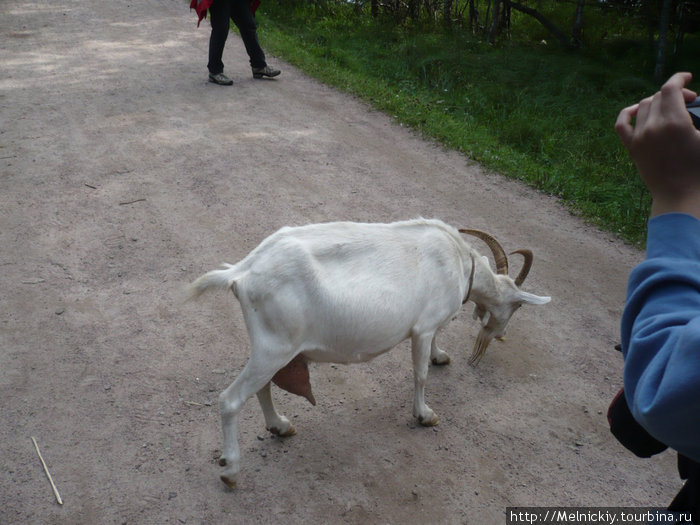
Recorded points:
529,110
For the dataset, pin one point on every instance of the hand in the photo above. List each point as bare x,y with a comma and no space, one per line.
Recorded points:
665,146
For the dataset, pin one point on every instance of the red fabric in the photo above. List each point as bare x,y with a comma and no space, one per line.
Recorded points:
201,7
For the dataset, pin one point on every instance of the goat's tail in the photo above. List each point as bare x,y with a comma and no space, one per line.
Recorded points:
224,279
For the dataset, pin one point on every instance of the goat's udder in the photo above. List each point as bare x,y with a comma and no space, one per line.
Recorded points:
294,378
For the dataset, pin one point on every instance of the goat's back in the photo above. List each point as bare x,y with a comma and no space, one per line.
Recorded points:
363,287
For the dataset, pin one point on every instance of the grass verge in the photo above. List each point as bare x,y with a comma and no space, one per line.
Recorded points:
529,111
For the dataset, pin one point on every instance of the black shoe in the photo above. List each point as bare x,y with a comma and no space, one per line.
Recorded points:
220,79
267,71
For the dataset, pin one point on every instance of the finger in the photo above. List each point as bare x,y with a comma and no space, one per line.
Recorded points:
672,99
678,81
674,90
689,95
623,124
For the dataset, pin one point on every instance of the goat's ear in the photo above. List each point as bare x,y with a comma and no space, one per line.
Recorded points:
528,298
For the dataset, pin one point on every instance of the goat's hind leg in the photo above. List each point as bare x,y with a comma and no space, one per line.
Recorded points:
274,422
437,356
255,375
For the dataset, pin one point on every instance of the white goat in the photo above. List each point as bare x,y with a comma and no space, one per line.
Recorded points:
348,292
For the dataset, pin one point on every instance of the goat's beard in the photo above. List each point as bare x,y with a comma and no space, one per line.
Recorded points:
482,342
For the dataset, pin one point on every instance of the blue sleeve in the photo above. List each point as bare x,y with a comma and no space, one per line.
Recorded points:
661,334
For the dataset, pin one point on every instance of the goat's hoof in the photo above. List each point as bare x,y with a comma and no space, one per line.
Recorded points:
428,421
222,462
441,361
229,481
228,476
286,433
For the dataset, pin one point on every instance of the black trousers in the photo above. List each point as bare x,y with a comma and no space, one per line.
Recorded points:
633,436
220,12
688,499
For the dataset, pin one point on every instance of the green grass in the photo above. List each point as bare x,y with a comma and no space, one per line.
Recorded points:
528,110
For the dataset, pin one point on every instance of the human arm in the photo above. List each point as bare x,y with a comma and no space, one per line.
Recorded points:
661,334
661,321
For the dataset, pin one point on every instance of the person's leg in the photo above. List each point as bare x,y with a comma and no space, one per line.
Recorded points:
245,22
220,14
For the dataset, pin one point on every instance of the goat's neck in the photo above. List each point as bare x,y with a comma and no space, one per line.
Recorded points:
485,289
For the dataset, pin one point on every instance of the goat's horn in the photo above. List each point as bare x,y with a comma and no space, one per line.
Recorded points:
498,253
527,264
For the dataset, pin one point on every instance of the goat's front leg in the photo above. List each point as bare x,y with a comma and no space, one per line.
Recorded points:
274,422
421,345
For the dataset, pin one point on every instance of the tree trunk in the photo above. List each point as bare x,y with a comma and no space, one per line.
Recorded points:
447,13
495,22
375,8
577,30
488,14
473,16
664,23
542,20
680,28
413,8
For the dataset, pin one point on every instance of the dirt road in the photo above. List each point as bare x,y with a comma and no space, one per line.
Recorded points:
124,175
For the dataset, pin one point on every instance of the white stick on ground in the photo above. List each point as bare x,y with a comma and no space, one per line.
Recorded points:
48,474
